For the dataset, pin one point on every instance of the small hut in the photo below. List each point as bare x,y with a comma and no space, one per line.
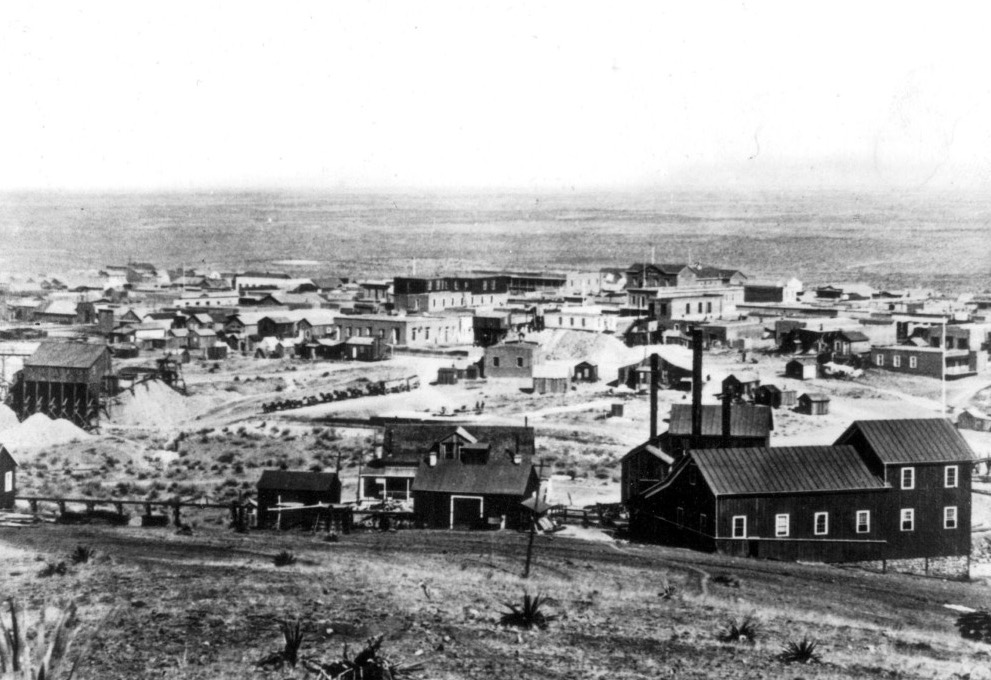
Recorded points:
814,404
586,371
551,378
301,488
802,368
768,395
8,478
447,375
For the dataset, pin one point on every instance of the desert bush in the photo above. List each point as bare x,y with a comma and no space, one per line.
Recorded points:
82,554
284,559
528,615
53,569
746,630
975,625
801,651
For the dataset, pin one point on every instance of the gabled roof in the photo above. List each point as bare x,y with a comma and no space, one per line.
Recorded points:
414,441
789,469
665,268
61,308
910,440
852,336
66,354
293,480
496,478
745,420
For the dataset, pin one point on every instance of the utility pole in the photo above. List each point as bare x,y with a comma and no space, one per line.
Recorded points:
942,369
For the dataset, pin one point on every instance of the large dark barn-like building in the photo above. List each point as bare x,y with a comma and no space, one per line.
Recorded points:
63,380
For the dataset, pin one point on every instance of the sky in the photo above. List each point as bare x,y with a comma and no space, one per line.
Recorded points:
465,95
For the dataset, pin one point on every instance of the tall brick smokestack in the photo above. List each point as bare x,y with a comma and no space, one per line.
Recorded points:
655,378
696,386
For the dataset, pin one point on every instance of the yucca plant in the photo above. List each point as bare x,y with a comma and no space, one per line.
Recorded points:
284,559
746,630
292,636
528,615
40,658
803,651
82,554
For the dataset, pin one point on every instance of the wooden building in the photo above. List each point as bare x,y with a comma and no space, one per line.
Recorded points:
447,375
295,487
551,379
8,479
814,404
514,359
886,490
768,395
802,368
743,387
364,349
586,371
470,476
63,380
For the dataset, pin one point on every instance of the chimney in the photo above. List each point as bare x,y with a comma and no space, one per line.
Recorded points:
696,385
432,459
655,374
727,416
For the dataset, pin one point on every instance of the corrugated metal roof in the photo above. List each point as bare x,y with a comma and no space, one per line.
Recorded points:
790,469
294,480
66,354
911,440
452,476
745,420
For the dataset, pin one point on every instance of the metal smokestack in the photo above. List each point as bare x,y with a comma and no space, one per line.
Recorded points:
655,378
727,416
696,386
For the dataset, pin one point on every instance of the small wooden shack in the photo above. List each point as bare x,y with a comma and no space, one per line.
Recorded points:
447,375
586,371
364,349
8,479
305,488
768,395
802,368
814,404
551,378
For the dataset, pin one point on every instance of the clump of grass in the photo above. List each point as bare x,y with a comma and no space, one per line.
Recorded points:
284,559
975,625
801,651
529,615
292,636
82,554
53,569
746,630
18,659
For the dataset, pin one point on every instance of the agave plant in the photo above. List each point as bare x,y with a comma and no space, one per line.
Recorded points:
746,630
803,651
284,559
82,554
530,614
40,658
292,636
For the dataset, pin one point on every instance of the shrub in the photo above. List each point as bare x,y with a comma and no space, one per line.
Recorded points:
975,625
803,651
284,559
746,630
82,554
528,615
53,569
50,647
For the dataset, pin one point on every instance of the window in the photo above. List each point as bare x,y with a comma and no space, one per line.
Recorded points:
700,308
449,449
821,527
703,522
495,362
896,361
913,362
560,321
908,478
863,521
908,519
782,525
950,517
8,481
688,308
519,362
879,359
680,516
950,476
739,526
708,308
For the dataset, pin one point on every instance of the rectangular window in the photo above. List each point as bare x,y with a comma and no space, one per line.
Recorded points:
782,525
708,307
821,523
896,361
688,308
950,476
8,481
519,362
950,517
879,359
863,521
908,478
739,526
703,523
913,362
495,362
908,519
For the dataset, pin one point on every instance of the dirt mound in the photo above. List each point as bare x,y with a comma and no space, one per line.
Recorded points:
153,404
576,346
41,431
8,418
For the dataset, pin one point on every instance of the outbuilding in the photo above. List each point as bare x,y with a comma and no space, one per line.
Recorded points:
447,375
301,488
551,378
586,371
8,478
768,395
802,368
814,404
364,349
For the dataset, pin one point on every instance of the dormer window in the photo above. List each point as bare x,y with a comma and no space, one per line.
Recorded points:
450,449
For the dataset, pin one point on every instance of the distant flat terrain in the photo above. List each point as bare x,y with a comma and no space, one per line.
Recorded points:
892,240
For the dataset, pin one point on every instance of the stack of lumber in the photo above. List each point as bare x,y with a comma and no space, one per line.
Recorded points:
20,519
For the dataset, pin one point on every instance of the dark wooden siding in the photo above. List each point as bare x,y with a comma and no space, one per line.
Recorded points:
929,538
7,464
684,514
268,498
639,472
433,510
